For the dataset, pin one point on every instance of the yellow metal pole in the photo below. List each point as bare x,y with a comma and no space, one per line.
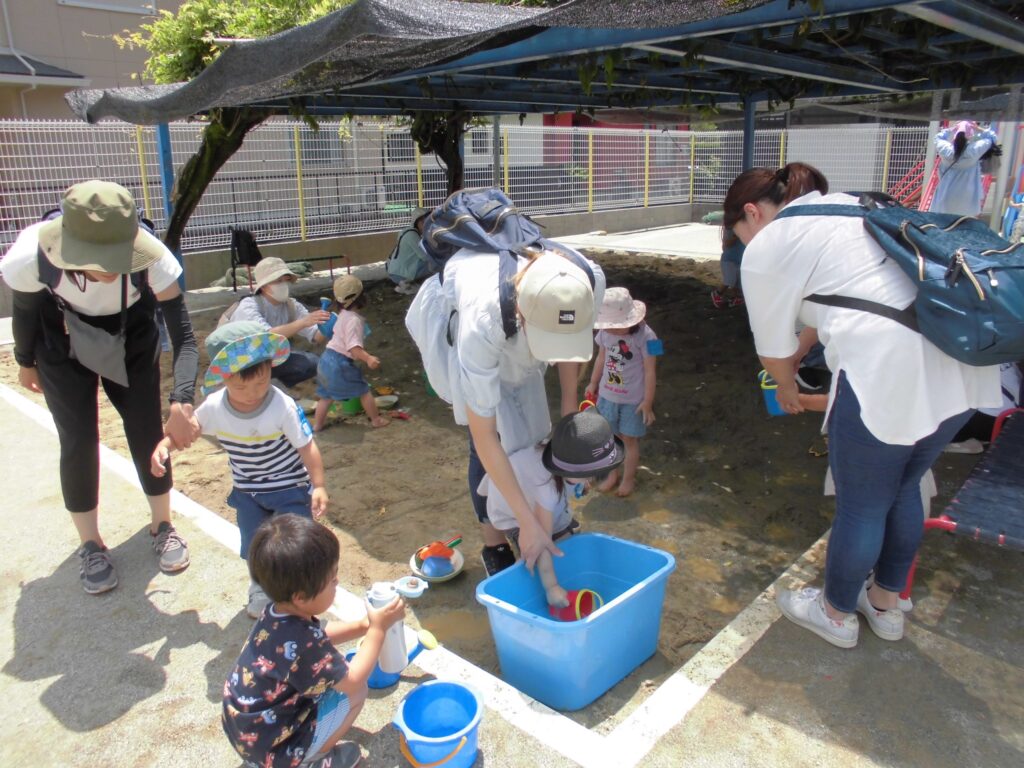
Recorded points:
647,168
419,175
693,158
142,172
885,164
298,181
590,172
782,149
504,159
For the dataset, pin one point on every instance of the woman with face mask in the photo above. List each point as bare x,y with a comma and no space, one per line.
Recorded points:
272,308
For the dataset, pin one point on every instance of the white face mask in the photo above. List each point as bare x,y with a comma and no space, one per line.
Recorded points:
278,292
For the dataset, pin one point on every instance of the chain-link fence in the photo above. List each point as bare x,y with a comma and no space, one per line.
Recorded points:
290,182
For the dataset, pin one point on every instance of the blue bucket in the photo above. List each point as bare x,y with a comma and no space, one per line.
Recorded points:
768,389
437,723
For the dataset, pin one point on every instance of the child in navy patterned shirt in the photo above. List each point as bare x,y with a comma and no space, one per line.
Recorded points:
290,696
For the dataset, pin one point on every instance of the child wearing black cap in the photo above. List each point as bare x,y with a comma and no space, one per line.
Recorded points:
582,448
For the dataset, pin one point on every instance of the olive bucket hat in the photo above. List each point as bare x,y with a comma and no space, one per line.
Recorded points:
99,230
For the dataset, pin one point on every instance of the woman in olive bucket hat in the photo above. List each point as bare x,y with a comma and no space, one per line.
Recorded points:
86,281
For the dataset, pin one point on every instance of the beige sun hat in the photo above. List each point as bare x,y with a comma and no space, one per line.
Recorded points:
268,270
619,310
99,231
347,289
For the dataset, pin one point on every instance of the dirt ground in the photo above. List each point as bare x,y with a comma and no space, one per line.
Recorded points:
733,493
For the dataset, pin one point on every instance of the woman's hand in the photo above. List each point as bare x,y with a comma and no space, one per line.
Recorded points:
315,317
533,542
182,425
29,379
788,397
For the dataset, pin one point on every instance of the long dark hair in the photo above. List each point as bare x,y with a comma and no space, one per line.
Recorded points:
779,187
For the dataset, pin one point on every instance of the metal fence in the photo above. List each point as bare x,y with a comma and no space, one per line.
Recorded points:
290,182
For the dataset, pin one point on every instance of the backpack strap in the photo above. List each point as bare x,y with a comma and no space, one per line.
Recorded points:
868,200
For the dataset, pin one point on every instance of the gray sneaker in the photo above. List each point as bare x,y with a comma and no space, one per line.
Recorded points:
171,547
258,600
96,569
344,754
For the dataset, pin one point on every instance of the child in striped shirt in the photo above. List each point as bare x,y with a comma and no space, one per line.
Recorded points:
276,467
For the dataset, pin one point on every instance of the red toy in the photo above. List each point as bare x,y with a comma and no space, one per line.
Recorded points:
582,603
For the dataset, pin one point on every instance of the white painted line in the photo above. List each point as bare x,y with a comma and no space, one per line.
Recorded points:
628,743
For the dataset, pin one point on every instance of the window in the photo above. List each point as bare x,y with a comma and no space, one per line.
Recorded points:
480,142
141,7
324,147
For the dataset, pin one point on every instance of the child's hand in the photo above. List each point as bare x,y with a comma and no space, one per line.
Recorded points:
591,394
319,502
158,461
383,618
646,409
372,362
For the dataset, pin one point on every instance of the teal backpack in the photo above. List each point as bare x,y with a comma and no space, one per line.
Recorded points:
970,281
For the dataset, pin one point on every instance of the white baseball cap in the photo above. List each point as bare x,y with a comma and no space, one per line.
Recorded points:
557,304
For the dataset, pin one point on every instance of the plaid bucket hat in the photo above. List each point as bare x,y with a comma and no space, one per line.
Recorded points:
236,346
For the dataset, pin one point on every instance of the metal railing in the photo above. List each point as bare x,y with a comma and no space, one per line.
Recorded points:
290,182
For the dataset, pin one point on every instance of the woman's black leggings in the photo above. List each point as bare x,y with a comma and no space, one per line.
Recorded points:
70,391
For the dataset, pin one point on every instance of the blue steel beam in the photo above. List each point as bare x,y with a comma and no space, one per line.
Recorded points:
981,22
564,41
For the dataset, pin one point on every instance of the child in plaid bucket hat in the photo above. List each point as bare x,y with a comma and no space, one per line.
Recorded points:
276,467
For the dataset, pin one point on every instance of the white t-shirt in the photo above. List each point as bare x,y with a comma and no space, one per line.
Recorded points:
20,268
262,445
268,315
538,487
906,386
492,375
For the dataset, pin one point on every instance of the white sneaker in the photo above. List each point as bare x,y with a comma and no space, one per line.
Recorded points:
970,445
258,600
905,604
806,608
406,288
888,625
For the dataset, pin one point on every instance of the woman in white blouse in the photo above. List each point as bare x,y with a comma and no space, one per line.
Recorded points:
896,399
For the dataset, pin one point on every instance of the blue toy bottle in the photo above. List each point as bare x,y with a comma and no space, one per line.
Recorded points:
327,329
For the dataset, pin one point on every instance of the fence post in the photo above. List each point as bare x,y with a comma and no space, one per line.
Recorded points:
163,149
298,181
505,149
885,160
647,168
147,206
419,175
693,160
495,150
782,147
590,170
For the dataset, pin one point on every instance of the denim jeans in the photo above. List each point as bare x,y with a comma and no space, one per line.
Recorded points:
253,508
879,515
299,367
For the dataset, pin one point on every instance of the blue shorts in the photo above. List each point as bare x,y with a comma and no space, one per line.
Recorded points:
251,509
331,711
623,417
338,377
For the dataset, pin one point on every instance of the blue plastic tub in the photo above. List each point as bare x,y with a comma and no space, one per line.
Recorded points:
567,665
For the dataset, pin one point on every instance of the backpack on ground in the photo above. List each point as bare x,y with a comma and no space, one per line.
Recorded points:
970,281
486,220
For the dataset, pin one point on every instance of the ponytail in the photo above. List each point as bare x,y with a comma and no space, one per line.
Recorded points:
778,187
